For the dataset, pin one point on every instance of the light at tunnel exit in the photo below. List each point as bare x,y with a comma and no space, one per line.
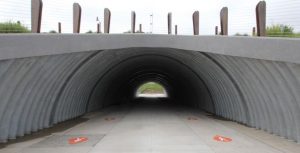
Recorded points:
151,90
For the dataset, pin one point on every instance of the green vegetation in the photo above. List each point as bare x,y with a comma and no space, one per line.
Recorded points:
280,30
52,31
151,87
13,27
129,31
138,31
90,31
238,34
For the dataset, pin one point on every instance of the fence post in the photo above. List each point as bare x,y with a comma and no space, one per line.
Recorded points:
175,29
140,28
253,31
36,15
76,17
59,27
224,21
196,22
98,27
133,16
107,16
169,23
261,18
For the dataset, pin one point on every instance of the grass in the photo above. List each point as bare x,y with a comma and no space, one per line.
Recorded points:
293,35
12,27
151,87
280,30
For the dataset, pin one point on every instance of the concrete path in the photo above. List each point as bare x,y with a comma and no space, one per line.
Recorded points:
153,128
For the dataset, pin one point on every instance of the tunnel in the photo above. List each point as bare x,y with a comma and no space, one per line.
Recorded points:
40,91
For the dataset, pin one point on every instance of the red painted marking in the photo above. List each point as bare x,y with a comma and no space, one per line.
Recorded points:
222,139
77,140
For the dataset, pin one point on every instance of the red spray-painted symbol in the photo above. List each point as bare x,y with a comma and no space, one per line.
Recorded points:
222,139
77,140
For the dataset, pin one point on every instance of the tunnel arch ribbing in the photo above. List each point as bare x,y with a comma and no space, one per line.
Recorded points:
241,89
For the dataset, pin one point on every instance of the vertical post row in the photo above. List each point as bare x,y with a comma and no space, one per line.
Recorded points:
261,18
224,21
59,27
216,30
141,28
169,23
36,15
133,22
175,29
107,16
76,17
196,22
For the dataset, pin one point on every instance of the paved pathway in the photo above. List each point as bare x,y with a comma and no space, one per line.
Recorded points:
153,128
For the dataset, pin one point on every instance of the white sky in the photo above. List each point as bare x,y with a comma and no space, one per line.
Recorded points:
241,14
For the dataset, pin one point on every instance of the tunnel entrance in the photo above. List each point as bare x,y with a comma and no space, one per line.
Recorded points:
94,82
151,90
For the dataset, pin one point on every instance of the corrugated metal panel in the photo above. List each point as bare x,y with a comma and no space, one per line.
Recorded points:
37,92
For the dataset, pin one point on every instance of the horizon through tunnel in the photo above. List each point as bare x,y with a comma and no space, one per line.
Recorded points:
151,89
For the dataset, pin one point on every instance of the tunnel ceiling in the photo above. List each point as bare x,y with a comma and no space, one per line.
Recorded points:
40,91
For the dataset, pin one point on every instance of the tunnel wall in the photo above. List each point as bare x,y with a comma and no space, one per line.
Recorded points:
40,90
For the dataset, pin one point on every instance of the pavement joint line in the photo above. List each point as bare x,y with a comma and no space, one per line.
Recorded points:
107,110
114,126
242,133
191,129
246,135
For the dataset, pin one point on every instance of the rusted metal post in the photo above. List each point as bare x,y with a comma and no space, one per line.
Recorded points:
261,18
175,29
169,23
107,16
224,21
76,17
59,27
216,30
133,22
196,22
253,31
141,28
36,15
98,27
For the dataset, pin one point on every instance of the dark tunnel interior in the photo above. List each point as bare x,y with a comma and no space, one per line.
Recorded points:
124,78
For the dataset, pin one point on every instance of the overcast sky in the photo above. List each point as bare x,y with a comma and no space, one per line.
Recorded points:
241,14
